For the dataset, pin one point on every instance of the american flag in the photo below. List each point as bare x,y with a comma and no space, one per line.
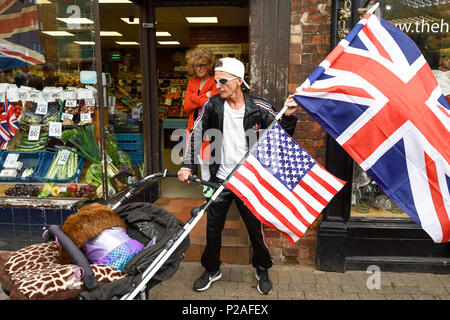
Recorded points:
19,34
376,95
282,185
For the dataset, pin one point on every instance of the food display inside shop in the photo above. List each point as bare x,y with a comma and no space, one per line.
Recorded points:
49,146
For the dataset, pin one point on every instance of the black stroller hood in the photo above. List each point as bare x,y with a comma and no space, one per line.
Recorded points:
144,222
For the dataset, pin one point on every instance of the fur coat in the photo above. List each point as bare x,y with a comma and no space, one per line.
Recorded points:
87,224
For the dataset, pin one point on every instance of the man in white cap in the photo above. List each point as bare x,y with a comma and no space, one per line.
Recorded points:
237,115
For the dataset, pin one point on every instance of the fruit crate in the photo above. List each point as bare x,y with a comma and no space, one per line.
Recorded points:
129,137
136,158
47,159
29,160
130,143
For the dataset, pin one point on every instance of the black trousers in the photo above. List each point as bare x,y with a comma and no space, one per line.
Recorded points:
216,216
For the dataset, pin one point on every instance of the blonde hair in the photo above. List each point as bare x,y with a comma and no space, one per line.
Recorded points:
200,54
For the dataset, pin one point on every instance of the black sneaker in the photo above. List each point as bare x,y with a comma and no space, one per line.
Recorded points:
264,283
205,280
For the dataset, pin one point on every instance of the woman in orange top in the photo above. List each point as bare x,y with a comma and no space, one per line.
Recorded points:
200,63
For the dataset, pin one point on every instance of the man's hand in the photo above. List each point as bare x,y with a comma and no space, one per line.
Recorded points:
292,106
183,175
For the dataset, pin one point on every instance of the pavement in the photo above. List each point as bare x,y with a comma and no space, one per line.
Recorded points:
295,282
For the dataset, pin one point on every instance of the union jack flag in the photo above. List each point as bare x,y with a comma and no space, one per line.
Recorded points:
376,95
282,185
8,123
19,34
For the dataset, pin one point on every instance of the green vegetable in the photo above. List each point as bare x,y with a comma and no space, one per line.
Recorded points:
124,159
68,134
62,171
113,152
94,174
84,139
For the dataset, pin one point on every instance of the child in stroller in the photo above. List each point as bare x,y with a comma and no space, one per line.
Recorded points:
36,272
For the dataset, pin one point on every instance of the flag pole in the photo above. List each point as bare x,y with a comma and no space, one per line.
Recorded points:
373,8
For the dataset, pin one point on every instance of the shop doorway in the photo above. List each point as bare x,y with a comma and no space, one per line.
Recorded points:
226,35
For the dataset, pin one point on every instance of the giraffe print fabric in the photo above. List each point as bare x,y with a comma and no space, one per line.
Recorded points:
35,272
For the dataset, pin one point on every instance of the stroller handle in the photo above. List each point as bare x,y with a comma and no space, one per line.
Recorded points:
194,179
164,174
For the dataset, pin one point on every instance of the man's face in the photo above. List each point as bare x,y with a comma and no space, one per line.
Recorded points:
232,86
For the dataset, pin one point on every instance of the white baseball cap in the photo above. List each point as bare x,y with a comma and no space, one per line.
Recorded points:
232,66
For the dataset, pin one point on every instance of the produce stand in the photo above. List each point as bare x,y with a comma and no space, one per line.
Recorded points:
54,147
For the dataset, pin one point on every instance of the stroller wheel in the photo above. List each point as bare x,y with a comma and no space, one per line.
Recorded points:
4,289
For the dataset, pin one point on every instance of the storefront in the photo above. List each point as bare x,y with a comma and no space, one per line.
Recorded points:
144,77
61,113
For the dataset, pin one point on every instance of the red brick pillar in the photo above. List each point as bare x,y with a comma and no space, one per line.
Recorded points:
309,45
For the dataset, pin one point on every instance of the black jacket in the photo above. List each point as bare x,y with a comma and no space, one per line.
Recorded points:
258,116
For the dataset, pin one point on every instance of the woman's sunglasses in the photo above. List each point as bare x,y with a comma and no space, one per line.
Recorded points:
223,82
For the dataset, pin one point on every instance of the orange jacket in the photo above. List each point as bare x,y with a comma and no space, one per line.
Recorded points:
194,101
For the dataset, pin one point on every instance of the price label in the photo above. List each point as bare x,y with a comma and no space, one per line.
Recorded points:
33,134
136,113
173,89
11,160
55,129
42,108
90,102
65,154
168,102
65,116
85,117
108,159
72,103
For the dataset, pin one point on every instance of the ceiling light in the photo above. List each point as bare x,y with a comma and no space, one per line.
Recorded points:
128,43
168,43
59,33
202,19
127,20
43,2
76,20
162,34
110,34
114,1
85,43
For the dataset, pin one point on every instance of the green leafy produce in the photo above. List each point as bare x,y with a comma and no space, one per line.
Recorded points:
84,140
124,159
94,174
113,152
67,135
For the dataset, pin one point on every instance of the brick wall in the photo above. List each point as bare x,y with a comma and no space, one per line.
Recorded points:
309,45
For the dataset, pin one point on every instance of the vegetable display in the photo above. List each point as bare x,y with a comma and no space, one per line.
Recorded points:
25,145
63,166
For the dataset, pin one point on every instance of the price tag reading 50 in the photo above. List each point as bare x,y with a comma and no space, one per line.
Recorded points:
33,134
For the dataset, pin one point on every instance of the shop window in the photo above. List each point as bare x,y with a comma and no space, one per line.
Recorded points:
427,24
50,118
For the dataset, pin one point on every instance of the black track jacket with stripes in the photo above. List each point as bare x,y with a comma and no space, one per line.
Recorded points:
258,115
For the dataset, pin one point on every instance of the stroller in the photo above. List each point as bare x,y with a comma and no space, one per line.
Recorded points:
34,272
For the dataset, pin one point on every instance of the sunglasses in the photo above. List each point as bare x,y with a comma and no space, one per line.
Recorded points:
223,82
